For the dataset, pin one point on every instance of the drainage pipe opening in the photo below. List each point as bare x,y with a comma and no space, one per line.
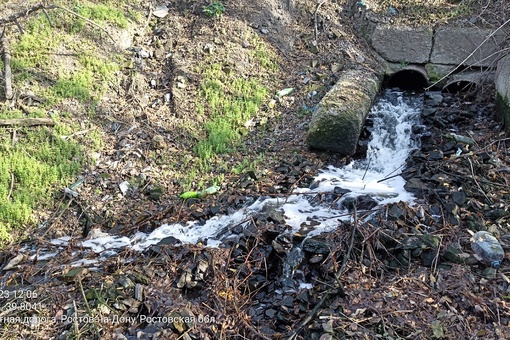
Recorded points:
413,78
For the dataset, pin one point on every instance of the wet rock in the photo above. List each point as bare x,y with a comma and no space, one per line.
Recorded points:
364,202
256,282
282,243
288,301
270,313
435,155
459,197
315,246
417,187
496,214
433,98
250,230
411,242
484,156
428,111
452,210
428,258
340,191
395,212
454,253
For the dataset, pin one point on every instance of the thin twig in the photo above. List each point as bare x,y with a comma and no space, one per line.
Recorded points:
351,244
26,121
15,16
11,187
87,306
476,182
315,31
7,65
47,17
21,30
87,20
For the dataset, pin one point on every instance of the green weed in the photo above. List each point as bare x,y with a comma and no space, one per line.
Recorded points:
214,9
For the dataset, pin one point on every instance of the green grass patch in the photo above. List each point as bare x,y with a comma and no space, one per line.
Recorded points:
56,63
30,171
231,104
231,100
227,100
76,86
97,13
33,48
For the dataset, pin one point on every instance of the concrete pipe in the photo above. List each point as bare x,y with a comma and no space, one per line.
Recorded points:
410,77
467,81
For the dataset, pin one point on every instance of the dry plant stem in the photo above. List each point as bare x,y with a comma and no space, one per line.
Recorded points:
76,326
7,65
83,18
15,16
11,187
470,55
27,122
56,218
351,245
315,30
310,316
89,311
476,182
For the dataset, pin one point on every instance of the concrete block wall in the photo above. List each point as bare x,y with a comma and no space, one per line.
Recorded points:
444,46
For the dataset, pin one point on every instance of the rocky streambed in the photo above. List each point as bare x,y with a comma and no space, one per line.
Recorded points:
399,270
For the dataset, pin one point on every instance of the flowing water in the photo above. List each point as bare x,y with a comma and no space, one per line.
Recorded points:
393,117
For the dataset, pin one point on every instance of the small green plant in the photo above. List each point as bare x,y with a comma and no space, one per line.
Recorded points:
214,9
403,64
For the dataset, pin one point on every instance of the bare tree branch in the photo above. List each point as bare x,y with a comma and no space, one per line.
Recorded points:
7,65
27,122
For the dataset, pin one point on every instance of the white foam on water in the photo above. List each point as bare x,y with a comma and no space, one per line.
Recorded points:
390,145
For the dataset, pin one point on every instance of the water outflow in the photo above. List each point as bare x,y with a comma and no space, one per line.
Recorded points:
392,140
393,117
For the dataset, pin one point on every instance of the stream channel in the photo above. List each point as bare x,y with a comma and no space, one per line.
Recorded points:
309,211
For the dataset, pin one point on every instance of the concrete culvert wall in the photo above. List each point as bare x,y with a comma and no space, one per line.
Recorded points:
411,77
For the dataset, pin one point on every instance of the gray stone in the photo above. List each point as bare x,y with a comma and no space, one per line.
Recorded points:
452,45
338,118
417,187
403,44
503,91
435,155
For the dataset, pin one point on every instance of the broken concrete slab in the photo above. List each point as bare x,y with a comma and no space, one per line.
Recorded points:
403,44
466,46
